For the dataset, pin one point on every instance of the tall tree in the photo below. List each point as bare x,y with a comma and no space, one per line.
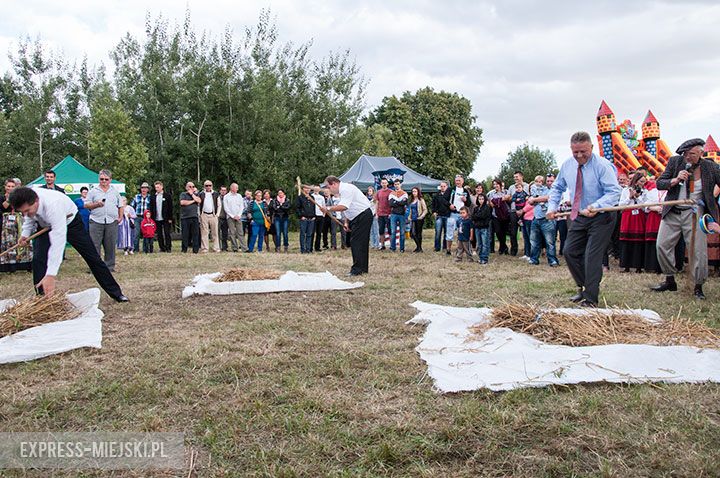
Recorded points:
114,140
432,132
377,139
528,159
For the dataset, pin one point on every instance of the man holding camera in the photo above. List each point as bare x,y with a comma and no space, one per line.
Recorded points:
106,212
686,176
189,218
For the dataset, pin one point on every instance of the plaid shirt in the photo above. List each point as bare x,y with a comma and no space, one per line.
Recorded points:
141,204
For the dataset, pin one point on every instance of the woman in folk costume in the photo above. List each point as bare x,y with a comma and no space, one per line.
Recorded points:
713,243
632,225
652,225
19,259
126,229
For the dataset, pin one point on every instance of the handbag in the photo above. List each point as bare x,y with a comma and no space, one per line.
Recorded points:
267,221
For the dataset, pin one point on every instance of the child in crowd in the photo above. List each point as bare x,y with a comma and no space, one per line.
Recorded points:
465,234
147,229
519,197
536,186
481,218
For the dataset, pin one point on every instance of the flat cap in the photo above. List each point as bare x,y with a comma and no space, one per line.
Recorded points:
689,144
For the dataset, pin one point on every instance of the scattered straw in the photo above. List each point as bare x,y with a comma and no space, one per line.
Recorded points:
233,275
35,311
594,327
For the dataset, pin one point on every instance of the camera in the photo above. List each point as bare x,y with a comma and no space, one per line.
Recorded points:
638,189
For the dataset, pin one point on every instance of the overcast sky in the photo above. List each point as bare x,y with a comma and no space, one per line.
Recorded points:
535,71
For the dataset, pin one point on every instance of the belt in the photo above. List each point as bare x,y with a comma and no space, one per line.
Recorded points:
209,213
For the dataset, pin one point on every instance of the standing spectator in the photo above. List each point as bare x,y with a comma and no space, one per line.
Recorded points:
280,207
234,207
652,225
259,215
592,183
19,259
319,216
50,182
500,215
398,202
515,213
562,222
542,228
481,218
189,220
465,233
517,209
140,203
209,226
459,197
696,182
374,230
333,200
270,231
126,228
441,212
106,212
306,213
326,219
383,212
82,210
248,199
222,220
418,211
614,248
632,225
147,229
161,207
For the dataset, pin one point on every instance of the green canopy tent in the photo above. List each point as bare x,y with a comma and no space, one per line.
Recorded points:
71,176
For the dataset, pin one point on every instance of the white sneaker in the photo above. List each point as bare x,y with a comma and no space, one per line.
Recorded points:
132,252
126,253
524,258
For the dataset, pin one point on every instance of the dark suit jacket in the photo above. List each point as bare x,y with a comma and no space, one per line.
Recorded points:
709,174
167,207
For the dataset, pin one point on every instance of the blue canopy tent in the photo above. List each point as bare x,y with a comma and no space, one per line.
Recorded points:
369,170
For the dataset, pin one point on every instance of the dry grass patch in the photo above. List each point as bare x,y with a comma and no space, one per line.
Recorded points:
34,311
240,274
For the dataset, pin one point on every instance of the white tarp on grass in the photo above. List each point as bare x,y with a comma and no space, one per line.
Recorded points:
501,359
288,282
56,337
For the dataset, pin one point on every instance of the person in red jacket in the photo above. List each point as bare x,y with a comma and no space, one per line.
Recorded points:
147,229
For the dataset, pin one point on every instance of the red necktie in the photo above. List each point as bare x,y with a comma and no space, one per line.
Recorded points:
577,198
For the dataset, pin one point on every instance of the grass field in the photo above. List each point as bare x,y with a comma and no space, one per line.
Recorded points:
329,384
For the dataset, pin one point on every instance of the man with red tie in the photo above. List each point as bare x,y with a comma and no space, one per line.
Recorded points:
592,184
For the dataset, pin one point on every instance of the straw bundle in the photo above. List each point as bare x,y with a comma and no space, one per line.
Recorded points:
595,327
35,311
237,274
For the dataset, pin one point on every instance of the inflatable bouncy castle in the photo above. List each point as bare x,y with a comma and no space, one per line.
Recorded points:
619,143
711,150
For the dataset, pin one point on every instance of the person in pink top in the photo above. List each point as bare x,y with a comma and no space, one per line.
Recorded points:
383,211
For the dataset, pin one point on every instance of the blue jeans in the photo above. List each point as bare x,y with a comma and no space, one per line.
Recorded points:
527,249
440,224
306,233
396,219
281,231
482,239
453,223
258,233
138,234
375,233
546,229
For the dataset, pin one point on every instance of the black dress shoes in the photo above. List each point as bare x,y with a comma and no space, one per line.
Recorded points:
587,303
121,298
669,284
698,293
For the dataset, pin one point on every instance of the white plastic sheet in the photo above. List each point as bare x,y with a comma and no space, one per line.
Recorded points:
290,281
56,337
501,359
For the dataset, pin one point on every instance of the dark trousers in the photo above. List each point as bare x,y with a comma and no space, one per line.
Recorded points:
360,241
513,231
326,230
383,228
562,228
500,229
416,232
79,238
587,241
246,230
319,223
190,228
163,235
148,245
307,226
223,233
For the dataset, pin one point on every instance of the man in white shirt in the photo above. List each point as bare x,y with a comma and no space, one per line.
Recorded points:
319,216
106,212
209,202
48,208
356,207
234,206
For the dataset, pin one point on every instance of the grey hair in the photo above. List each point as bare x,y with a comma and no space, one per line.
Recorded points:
580,137
106,172
18,183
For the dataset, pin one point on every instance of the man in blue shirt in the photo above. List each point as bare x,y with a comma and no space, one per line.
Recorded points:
592,184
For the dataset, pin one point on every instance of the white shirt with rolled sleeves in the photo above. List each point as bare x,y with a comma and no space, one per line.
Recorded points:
234,205
320,200
56,211
108,213
353,199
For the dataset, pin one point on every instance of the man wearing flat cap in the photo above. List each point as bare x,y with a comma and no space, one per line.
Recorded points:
686,176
